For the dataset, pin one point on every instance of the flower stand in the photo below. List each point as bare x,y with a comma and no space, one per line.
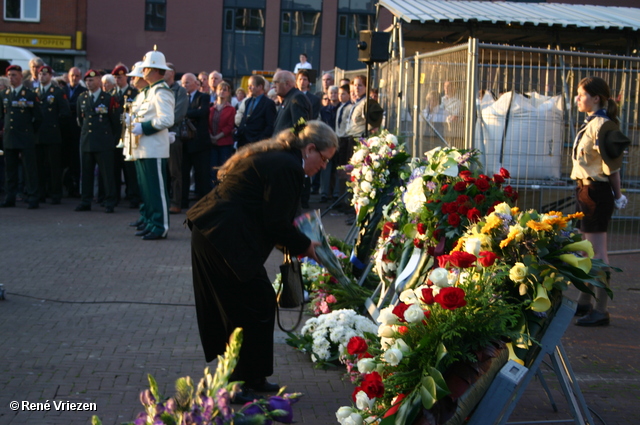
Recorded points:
512,380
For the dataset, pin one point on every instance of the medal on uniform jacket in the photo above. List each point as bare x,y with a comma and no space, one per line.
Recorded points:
50,99
22,103
101,109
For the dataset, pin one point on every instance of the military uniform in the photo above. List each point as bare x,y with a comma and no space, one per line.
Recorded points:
100,122
132,191
22,116
55,109
154,110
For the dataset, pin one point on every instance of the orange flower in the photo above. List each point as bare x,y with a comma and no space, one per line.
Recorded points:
578,215
535,225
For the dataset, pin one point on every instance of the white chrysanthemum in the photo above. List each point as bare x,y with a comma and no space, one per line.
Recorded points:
359,155
391,139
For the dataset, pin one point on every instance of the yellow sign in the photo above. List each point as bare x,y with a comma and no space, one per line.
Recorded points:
36,40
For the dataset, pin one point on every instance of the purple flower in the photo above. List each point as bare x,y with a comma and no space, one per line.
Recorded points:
192,418
348,168
223,399
146,398
254,409
159,409
141,419
280,403
170,406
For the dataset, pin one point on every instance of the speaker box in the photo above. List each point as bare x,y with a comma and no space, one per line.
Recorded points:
373,46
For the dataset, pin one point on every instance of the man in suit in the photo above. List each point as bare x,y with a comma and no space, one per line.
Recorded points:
55,109
215,78
195,153
99,119
22,117
71,144
175,150
124,94
293,103
303,83
259,114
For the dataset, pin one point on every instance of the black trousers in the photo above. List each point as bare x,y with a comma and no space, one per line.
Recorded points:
50,170
224,303
104,160
200,163
12,158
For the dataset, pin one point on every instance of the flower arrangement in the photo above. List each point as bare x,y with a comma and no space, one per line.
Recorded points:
210,402
326,337
456,313
372,165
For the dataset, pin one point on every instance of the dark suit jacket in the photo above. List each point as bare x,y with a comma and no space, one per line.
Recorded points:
295,105
99,122
22,117
259,124
316,104
73,99
198,113
55,109
252,210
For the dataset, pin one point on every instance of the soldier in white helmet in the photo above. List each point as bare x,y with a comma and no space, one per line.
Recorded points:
154,114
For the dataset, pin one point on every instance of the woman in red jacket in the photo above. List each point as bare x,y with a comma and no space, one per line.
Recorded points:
221,124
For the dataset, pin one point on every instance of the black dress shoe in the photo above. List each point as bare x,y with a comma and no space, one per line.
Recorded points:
141,226
142,232
33,205
108,210
583,309
7,204
83,207
136,223
262,386
244,397
152,237
594,318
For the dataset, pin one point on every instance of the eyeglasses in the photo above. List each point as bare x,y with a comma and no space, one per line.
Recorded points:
323,158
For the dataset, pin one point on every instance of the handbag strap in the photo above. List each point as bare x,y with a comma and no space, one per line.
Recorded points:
287,258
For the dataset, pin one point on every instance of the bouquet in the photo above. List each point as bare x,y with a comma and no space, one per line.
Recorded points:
209,403
326,337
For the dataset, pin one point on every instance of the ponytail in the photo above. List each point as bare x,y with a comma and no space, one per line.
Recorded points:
612,110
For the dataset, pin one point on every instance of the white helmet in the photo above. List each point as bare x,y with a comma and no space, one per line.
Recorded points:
154,59
136,71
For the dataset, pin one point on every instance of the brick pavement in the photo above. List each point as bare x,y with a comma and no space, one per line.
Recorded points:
125,308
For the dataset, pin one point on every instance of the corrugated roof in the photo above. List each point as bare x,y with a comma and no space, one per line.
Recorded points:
547,14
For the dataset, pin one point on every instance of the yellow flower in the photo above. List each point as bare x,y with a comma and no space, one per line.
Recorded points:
546,227
515,210
515,234
541,302
583,263
578,215
561,222
493,221
584,246
459,245
518,272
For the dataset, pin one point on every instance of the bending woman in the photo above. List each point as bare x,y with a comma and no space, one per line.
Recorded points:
235,228
596,169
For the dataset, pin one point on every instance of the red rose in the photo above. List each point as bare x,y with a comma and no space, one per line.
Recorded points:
473,215
479,199
498,179
443,260
437,234
418,243
444,188
460,186
372,385
357,345
482,185
462,199
504,173
508,190
453,220
462,210
403,330
487,258
422,228
388,228
399,310
451,298
452,207
396,405
427,296
483,176
462,259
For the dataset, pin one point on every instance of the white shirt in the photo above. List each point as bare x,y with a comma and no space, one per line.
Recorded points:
301,65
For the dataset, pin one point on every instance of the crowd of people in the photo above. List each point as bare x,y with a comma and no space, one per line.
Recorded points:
68,134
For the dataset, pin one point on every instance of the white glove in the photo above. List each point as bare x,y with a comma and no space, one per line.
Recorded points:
137,129
127,119
621,202
172,137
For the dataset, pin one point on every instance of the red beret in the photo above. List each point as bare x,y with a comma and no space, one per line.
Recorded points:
14,68
92,73
120,70
45,68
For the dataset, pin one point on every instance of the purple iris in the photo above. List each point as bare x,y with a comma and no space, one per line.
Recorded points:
141,419
279,403
146,398
223,399
254,409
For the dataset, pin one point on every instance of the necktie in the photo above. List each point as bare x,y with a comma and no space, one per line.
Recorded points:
340,115
252,103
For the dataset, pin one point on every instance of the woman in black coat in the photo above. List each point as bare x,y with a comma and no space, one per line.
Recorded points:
235,228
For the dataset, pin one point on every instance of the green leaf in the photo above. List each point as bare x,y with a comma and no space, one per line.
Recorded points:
442,353
442,389
153,386
95,420
409,229
428,397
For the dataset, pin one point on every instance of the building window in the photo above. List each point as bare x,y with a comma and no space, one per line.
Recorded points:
155,15
301,23
351,25
244,20
22,10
